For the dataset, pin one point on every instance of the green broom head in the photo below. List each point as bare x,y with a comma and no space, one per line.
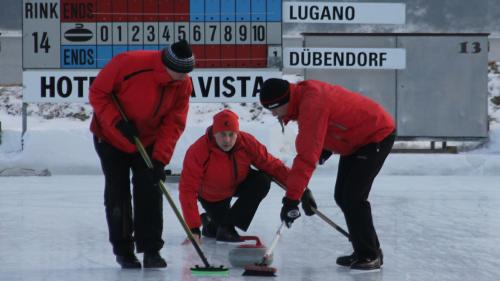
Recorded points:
210,271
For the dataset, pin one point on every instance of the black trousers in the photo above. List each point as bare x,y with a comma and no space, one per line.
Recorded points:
146,219
355,176
250,193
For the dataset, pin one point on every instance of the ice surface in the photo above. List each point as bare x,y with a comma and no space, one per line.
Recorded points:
430,227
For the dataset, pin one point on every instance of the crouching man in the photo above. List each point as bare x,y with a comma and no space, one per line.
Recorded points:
217,168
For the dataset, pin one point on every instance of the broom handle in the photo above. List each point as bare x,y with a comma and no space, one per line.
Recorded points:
270,250
331,223
184,225
320,214
149,164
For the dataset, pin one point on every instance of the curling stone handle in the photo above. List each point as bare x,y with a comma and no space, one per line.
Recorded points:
253,238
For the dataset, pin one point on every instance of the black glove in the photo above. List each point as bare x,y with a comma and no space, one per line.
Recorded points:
128,130
325,154
289,211
308,202
158,172
196,231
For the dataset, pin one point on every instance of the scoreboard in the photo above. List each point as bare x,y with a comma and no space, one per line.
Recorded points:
86,34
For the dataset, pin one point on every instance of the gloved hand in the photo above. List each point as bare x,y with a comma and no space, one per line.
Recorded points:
128,130
197,237
325,154
289,211
158,171
308,202
196,231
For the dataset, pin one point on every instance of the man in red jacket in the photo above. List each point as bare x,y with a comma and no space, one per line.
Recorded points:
334,119
153,89
216,169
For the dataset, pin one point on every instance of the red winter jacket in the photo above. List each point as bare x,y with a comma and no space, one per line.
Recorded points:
333,118
212,174
156,103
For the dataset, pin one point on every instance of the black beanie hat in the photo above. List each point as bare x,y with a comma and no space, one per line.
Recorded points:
275,92
178,57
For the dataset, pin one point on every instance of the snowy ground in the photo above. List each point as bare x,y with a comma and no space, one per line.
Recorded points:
430,227
64,146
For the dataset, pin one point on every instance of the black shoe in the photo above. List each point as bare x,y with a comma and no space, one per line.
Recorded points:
346,260
128,261
209,230
368,263
227,233
153,260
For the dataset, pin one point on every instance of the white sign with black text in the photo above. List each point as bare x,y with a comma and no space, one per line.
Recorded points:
345,12
345,58
235,85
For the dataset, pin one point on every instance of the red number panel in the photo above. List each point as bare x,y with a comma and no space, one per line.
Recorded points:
228,55
134,10
104,10
166,10
243,55
199,54
150,8
120,10
259,56
181,10
212,53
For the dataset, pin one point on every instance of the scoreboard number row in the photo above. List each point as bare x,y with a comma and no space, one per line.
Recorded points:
161,33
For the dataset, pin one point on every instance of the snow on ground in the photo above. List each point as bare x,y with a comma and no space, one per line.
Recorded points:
64,145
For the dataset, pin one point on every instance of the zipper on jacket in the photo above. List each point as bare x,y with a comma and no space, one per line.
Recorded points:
162,92
128,76
205,167
340,127
235,166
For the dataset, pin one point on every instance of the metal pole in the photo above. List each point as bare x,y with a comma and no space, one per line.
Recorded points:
25,123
